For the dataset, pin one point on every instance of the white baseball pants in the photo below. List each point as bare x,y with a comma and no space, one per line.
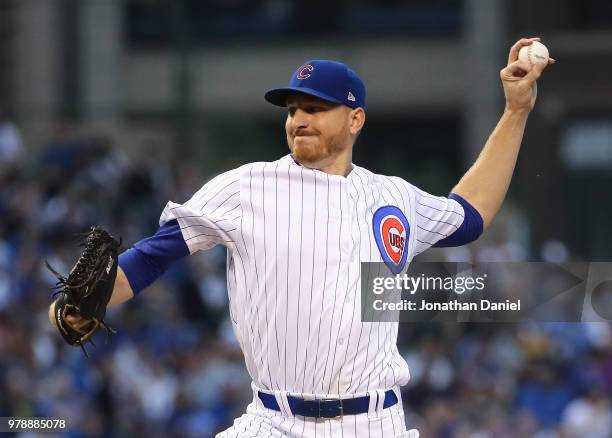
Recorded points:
259,421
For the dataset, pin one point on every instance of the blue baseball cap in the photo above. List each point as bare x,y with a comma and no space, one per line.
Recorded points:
327,80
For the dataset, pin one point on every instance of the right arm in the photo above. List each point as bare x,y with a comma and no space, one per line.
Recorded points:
208,218
142,264
121,293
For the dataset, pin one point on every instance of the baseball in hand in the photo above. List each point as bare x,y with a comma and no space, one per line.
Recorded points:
535,53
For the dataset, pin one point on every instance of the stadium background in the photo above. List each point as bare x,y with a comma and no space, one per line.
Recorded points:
109,108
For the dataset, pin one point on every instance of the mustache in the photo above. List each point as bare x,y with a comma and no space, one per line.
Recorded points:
301,131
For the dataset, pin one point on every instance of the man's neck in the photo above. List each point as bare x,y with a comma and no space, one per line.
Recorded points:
341,165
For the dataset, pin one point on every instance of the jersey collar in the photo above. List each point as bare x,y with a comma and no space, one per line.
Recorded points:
293,162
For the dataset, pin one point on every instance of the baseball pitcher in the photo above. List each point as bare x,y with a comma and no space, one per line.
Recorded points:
296,231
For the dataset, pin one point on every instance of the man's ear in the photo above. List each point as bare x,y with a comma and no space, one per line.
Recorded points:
357,120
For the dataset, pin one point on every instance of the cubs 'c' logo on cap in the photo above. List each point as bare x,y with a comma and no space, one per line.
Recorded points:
391,231
302,75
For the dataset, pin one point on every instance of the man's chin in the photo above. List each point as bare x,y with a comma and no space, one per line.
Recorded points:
307,156
309,161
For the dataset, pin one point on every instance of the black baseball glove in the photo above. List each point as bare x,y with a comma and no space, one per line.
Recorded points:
86,291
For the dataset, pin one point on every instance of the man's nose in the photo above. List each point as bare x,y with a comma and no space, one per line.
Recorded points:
300,119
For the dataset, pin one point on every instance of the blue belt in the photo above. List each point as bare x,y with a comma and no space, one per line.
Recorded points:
326,408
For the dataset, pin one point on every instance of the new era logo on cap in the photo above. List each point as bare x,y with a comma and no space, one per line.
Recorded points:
327,80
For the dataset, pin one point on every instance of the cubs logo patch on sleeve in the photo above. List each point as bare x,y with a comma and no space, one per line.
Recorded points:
391,231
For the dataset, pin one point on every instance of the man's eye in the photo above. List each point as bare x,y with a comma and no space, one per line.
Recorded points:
291,111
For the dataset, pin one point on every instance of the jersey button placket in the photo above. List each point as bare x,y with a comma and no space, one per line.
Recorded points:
346,241
355,234
355,238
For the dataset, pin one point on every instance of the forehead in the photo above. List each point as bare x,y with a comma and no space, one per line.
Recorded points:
305,99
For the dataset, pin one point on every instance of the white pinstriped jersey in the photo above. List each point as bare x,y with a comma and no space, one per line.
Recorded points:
295,238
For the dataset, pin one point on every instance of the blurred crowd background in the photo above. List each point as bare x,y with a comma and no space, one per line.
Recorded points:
110,108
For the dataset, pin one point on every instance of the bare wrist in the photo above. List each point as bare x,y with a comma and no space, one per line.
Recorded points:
516,110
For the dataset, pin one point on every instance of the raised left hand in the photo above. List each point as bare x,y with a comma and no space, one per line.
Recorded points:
519,78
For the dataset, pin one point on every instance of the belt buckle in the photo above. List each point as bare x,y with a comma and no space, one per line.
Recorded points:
332,400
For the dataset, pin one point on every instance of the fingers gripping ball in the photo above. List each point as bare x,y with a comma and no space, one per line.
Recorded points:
535,53
86,291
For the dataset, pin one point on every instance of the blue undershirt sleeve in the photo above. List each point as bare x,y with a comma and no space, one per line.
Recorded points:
470,229
149,258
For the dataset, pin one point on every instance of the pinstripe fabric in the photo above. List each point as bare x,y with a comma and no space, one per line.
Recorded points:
295,240
260,422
